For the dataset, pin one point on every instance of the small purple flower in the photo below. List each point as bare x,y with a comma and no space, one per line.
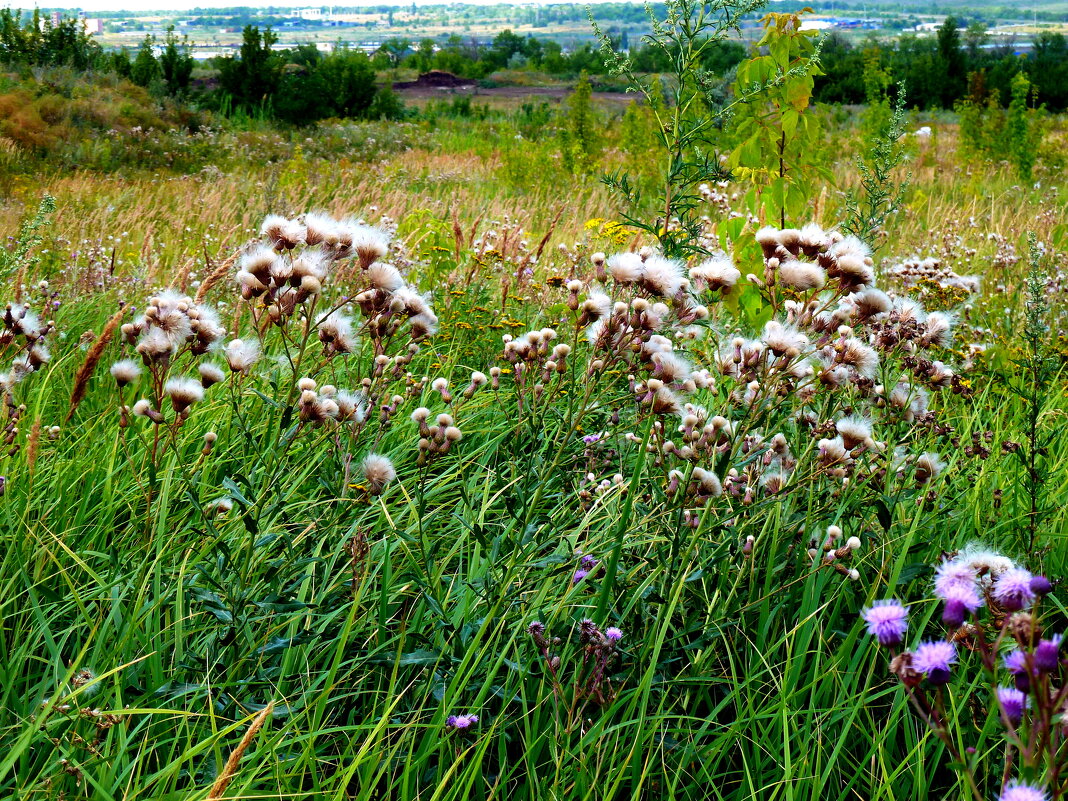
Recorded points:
951,577
1012,702
460,722
1047,654
887,621
589,439
612,634
1013,589
1040,585
961,600
1018,791
1016,664
580,574
589,562
935,659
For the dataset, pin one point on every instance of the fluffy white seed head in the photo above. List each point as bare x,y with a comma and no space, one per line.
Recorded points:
125,372
183,392
210,373
378,471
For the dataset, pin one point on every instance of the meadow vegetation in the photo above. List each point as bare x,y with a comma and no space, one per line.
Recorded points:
519,450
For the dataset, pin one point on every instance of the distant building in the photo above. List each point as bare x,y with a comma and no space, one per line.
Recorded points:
815,25
311,14
93,27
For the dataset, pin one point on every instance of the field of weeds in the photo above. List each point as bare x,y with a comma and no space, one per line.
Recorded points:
412,460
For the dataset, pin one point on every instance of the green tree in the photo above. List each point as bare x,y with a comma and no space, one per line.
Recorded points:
578,134
393,51
252,78
424,55
350,81
876,93
175,63
1022,128
145,68
951,60
777,136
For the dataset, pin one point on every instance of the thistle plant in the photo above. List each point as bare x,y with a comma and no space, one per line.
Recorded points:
688,118
879,195
830,399
21,259
590,680
995,619
1031,381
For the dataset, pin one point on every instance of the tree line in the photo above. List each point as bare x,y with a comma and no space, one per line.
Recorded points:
302,84
942,71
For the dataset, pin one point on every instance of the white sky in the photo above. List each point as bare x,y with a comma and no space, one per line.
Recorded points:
142,6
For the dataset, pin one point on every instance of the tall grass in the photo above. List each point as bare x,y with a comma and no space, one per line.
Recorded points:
310,638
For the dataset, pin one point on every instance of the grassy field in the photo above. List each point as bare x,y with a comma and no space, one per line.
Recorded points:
624,528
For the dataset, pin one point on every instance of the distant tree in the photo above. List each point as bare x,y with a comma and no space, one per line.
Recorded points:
394,51
578,131
1022,129
252,78
424,55
118,61
505,45
145,68
350,81
175,63
302,96
974,38
1048,69
951,57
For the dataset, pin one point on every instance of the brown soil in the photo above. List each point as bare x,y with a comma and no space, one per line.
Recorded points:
438,84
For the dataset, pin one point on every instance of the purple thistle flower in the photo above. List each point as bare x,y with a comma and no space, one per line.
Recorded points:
887,621
1016,664
1013,589
588,562
1019,791
1012,702
1047,654
960,600
1040,585
934,659
953,576
460,722
589,439
580,574
612,634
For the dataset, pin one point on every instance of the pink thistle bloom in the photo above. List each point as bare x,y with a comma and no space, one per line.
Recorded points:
935,659
1013,589
887,621
1012,702
1019,791
461,721
953,576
